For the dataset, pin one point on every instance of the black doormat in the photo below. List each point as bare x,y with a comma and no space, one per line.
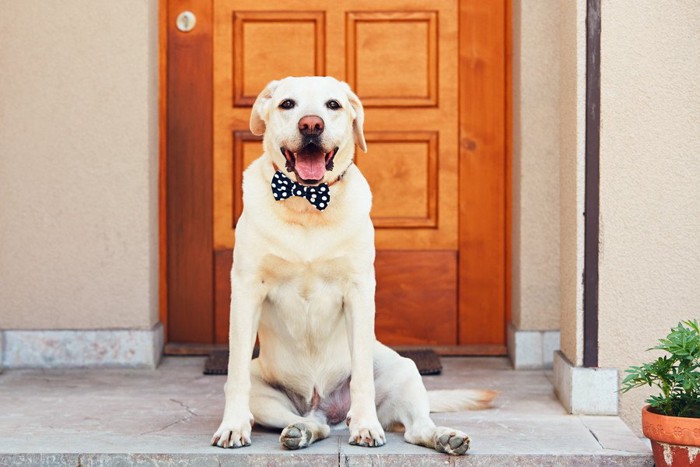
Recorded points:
427,361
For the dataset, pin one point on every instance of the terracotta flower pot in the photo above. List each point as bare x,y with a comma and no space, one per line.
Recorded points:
674,440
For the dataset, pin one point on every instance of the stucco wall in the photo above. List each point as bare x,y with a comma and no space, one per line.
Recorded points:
536,56
572,127
650,179
78,164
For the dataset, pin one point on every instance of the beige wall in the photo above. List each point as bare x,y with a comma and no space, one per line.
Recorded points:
536,58
650,179
572,126
78,164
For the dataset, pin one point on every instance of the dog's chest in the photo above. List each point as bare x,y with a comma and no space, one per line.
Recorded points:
307,296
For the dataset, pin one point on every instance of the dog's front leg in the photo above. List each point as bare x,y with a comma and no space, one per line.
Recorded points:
365,429
246,302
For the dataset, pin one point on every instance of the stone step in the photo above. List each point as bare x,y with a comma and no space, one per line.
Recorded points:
101,449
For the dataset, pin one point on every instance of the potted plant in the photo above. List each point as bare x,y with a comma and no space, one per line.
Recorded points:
672,419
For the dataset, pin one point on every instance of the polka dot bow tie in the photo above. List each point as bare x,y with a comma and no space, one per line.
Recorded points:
282,188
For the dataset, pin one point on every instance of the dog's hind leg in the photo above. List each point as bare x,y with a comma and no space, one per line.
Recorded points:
402,398
273,408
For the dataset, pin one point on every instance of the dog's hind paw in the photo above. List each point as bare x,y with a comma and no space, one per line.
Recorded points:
296,436
450,441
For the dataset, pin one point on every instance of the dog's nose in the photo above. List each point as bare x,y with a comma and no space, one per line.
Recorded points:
311,125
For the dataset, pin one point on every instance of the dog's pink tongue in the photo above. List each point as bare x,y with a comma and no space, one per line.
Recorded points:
311,166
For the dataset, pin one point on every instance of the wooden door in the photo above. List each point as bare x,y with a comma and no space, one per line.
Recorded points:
441,269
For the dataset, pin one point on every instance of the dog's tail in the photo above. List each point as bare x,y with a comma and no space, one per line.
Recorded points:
454,400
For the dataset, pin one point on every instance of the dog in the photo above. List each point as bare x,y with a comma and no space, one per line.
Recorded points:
303,281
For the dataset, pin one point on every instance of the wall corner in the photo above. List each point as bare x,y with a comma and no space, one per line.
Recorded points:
531,350
585,391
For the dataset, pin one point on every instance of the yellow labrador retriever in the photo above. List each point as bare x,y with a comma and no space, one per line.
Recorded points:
303,281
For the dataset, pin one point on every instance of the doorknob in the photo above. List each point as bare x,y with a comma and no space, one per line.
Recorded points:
185,21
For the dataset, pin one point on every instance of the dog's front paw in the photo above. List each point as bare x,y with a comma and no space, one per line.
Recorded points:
450,441
233,434
366,432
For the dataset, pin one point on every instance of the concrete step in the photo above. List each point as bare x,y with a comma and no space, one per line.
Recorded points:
167,416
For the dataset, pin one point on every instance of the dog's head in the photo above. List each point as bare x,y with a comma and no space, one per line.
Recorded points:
310,126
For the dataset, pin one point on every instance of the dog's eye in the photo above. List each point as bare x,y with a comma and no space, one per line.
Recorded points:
287,104
333,104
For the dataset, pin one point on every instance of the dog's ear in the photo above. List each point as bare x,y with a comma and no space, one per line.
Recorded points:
358,115
261,109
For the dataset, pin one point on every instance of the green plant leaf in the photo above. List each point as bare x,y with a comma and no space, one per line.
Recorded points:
676,374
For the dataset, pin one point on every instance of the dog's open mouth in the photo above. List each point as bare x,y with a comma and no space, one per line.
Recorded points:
310,163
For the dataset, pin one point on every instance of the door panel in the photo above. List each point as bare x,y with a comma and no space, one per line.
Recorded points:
484,169
189,180
403,177
262,39
416,297
407,75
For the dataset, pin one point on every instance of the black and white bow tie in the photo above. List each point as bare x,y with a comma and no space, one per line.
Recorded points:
282,188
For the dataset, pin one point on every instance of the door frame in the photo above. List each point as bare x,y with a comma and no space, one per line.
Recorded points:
485,160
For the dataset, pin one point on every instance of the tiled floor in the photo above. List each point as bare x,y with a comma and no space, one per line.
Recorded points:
167,417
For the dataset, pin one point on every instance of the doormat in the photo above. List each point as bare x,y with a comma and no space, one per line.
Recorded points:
427,361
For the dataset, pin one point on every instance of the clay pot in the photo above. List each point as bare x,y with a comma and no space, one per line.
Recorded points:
674,440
